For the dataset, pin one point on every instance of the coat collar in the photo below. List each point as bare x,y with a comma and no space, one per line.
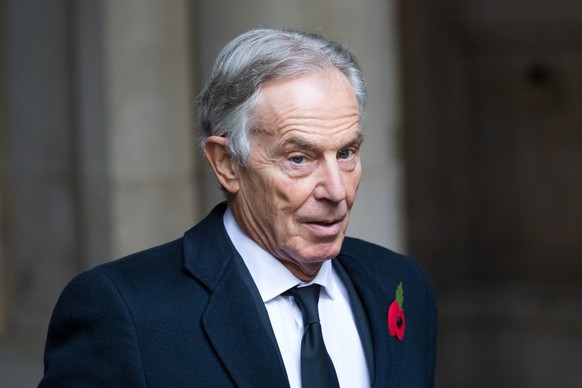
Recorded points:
235,318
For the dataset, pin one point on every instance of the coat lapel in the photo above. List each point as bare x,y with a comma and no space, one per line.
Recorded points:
376,301
239,336
234,321
360,317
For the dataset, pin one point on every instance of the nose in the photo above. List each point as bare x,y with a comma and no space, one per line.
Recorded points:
331,185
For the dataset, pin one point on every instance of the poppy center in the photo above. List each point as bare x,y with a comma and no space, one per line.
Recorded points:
399,322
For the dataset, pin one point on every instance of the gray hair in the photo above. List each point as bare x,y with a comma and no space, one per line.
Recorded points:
229,97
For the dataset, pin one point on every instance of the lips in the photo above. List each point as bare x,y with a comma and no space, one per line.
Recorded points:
325,228
325,223
328,221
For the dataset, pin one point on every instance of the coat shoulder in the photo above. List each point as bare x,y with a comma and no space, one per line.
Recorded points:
377,257
148,265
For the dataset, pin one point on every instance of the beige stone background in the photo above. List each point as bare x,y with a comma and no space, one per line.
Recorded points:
472,160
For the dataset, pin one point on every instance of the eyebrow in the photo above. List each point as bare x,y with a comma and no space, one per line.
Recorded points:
298,142
356,140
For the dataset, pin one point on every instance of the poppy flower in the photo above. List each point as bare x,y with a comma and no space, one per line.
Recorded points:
396,322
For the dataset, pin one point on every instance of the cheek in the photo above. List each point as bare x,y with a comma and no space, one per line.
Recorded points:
298,191
353,183
300,197
269,193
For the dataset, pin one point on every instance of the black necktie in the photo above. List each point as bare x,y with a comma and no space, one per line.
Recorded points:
317,369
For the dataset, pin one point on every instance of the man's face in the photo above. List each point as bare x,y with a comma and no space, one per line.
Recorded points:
295,195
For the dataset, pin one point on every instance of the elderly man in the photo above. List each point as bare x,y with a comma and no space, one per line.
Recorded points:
266,291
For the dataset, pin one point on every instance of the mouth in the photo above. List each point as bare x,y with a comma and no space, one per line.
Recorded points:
325,228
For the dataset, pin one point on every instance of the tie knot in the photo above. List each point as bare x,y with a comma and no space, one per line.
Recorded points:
307,299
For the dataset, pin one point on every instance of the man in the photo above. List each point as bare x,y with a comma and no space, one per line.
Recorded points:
281,117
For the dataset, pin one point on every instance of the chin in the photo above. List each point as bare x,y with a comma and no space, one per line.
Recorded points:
309,251
319,255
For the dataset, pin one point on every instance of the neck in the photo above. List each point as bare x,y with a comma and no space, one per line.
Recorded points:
305,273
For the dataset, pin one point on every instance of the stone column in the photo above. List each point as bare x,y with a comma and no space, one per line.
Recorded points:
150,138
3,123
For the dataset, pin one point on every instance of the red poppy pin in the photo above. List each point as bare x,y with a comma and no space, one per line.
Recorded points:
396,322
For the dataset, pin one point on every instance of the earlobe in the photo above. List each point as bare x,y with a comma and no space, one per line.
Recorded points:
224,166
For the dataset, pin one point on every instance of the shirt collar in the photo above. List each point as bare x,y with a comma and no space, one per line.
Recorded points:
269,274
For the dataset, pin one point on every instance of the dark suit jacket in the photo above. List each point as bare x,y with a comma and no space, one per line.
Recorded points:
187,314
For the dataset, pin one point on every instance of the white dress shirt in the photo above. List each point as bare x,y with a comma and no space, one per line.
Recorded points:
337,321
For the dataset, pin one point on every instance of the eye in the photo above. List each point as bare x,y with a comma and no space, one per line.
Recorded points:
298,159
345,154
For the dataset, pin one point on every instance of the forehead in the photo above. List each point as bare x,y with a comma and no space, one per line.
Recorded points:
321,102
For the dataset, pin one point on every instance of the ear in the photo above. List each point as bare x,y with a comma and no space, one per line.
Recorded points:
224,166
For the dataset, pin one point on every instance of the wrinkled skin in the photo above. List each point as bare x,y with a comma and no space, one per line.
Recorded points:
295,195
